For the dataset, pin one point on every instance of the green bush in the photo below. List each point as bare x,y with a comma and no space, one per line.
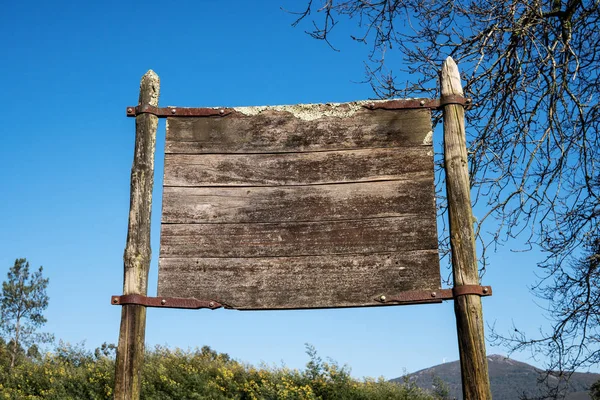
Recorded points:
71,372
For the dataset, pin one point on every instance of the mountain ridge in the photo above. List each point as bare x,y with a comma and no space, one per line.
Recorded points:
509,379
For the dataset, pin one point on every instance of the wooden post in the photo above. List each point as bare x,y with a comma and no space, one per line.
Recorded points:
469,314
130,352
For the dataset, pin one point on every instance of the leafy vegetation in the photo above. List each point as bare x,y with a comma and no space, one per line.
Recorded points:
72,372
595,391
23,300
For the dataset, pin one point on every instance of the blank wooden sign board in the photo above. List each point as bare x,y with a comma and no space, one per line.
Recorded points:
307,206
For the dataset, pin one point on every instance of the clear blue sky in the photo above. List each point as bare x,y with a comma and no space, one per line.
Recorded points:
67,72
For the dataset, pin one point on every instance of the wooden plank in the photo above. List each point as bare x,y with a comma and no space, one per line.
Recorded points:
187,205
295,168
299,203
377,235
281,131
468,310
299,282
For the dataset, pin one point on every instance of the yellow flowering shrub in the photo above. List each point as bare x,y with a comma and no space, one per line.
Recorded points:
71,372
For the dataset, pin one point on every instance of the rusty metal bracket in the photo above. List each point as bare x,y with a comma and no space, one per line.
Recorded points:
164,302
166,112
435,296
455,99
404,104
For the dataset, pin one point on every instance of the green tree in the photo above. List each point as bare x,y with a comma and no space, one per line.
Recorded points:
441,391
595,391
22,303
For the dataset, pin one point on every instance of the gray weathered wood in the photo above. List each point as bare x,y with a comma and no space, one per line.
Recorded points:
362,165
188,205
377,235
130,351
309,202
468,310
281,131
299,282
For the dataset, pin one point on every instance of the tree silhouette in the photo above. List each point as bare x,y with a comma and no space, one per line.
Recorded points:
534,148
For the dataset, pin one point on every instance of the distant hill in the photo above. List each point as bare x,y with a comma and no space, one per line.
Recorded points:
509,379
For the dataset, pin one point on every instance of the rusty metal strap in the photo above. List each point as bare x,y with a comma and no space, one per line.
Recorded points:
455,99
404,104
435,296
472,289
166,112
164,302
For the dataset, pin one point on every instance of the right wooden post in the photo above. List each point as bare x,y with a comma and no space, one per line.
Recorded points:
469,314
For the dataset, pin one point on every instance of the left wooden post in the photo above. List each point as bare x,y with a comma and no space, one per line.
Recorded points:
130,351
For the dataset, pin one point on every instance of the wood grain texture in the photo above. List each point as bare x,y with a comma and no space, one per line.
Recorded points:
362,165
377,235
279,131
188,205
130,350
299,282
468,310
276,211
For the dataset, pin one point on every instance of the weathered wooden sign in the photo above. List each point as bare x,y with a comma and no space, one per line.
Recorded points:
303,206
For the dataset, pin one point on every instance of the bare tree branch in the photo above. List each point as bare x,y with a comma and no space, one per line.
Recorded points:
532,66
